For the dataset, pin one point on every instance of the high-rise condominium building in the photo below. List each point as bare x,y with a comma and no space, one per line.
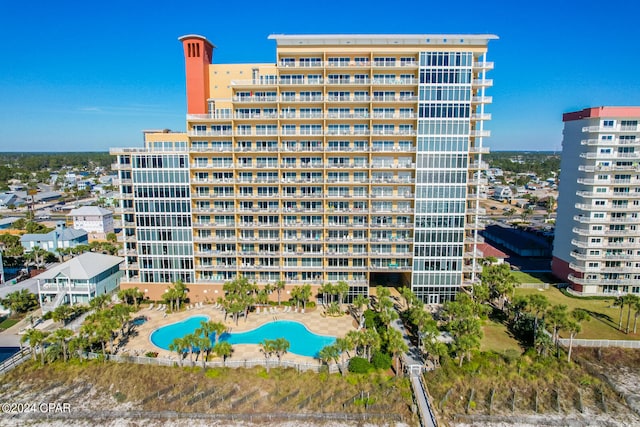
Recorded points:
350,156
597,241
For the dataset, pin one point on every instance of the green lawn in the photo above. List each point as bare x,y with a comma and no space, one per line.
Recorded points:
497,338
604,317
7,323
534,277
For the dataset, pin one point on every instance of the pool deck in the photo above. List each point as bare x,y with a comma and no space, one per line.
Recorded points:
313,319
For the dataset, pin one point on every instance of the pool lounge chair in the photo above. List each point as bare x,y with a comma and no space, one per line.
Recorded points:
151,306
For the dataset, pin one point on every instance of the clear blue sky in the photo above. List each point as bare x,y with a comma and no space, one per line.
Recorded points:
86,76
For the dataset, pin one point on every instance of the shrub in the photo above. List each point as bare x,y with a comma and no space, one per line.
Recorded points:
359,365
151,354
381,360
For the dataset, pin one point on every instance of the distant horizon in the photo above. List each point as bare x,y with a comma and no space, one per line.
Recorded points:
107,151
90,78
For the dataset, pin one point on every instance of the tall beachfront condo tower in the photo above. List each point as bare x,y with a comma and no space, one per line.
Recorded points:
597,241
353,158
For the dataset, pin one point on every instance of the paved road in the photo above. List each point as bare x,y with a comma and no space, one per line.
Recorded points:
30,284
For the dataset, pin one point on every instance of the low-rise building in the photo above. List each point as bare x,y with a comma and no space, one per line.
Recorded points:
94,220
61,237
78,280
503,192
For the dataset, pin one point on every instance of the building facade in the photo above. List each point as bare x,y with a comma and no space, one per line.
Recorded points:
60,238
597,238
78,280
350,156
96,221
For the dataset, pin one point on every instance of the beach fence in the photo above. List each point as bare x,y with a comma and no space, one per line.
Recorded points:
15,360
246,363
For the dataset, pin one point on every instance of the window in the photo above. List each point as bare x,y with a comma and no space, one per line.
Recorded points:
608,123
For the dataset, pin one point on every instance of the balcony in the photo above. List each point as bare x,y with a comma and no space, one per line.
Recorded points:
481,100
483,65
255,99
120,166
480,133
481,116
482,83
608,156
209,133
478,165
479,150
610,142
592,168
604,244
610,129
609,195
602,282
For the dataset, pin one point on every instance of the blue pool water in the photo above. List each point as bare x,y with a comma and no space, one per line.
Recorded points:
301,340
139,320
165,335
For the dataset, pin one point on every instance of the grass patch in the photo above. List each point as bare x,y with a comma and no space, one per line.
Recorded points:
246,391
535,277
487,384
7,323
497,338
604,317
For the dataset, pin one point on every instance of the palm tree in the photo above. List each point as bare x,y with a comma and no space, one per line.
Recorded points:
34,337
178,345
99,302
341,288
574,328
343,345
191,341
78,344
325,289
61,336
543,343
279,287
224,350
281,347
61,314
180,291
630,300
295,296
556,317
328,353
267,348
204,348
305,294
371,341
396,345
356,338
537,304
358,302
619,302
636,307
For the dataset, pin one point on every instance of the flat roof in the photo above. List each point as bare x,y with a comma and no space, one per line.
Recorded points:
382,39
604,111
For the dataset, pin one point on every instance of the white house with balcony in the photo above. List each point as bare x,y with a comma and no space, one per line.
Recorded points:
94,220
78,280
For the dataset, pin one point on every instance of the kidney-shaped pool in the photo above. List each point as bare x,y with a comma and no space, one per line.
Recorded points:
302,341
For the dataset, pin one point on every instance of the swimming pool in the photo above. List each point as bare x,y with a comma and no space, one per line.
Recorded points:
139,320
165,335
302,341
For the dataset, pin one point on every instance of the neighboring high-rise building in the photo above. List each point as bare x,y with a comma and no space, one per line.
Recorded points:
349,156
597,239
